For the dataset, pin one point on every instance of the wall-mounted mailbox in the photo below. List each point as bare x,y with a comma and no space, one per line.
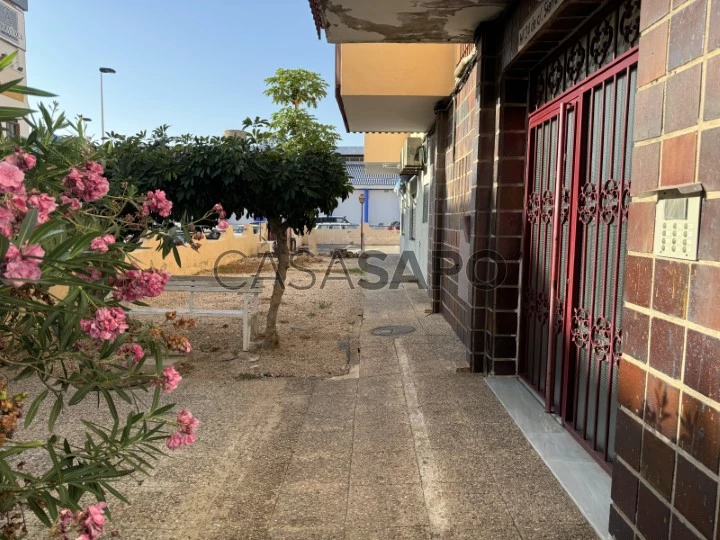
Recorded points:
677,221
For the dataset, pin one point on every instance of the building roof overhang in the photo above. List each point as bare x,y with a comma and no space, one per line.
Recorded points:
403,21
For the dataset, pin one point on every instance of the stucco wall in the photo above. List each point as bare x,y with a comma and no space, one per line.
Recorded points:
401,69
373,237
203,260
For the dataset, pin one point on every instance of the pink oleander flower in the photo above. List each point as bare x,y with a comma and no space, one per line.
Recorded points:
135,284
220,210
169,381
44,203
223,224
185,433
101,243
74,203
177,439
89,524
11,178
87,182
107,324
21,265
90,275
7,222
95,520
135,351
157,203
22,160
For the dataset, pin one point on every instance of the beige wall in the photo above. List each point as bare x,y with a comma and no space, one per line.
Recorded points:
397,69
384,147
203,260
373,237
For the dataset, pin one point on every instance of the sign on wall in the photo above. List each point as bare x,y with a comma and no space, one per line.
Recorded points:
536,21
12,25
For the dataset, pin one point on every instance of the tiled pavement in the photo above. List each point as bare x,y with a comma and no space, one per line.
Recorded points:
407,449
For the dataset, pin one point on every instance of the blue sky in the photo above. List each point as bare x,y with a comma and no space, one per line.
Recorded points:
198,66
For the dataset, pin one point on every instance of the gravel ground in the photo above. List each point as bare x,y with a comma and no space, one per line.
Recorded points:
317,326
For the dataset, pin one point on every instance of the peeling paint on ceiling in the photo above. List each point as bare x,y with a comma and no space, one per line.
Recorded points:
405,21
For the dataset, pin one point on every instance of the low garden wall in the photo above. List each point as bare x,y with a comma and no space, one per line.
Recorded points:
203,260
343,237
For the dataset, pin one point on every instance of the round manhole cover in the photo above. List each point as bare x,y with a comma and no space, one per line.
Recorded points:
392,330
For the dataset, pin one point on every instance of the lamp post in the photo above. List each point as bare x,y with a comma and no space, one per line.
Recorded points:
103,71
361,198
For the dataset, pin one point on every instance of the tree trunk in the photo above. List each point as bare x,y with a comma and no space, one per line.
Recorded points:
271,337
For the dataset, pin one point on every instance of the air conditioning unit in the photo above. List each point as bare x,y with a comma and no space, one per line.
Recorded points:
411,156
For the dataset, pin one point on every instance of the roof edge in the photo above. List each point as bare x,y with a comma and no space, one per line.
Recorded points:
318,16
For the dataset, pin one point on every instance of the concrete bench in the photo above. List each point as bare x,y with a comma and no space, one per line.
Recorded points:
208,284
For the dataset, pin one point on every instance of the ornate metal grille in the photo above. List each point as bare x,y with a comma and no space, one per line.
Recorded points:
608,37
577,196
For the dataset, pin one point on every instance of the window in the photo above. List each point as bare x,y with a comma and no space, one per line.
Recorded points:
12,129
426,203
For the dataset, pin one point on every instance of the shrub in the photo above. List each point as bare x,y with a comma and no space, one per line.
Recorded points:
66,276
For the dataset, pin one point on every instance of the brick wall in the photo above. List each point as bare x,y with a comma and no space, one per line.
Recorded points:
457,135
506,223
665,481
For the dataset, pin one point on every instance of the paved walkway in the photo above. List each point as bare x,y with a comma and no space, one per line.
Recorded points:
407,449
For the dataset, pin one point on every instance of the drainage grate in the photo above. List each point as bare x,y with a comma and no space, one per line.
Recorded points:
392,330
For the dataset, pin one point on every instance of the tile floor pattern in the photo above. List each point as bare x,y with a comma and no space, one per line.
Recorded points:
408,450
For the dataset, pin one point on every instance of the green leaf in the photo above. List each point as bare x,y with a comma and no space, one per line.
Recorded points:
81,393
34,406
55,412
4,87
13,113
27,226
7,61
39,512
110,404
29,91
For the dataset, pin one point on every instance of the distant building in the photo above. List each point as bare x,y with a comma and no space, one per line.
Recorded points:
12,38
381,204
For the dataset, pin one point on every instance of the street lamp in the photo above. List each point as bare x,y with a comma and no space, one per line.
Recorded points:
361,198
103,71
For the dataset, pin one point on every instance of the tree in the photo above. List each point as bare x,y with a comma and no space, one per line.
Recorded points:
314,176
286,170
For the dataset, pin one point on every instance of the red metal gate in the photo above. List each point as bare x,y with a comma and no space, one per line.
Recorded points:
577,195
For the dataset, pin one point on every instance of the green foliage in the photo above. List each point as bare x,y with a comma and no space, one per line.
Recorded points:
285,170
296,87
43,344
195,172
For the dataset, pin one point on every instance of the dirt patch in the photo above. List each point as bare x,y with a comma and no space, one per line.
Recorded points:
318,323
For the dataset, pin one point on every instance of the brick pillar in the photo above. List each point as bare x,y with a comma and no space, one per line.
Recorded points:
506,223
665,480
482,197
437,209
499,207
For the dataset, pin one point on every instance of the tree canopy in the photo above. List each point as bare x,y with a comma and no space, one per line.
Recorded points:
286,170
252,175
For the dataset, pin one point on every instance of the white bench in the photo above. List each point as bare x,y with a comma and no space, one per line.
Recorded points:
209,284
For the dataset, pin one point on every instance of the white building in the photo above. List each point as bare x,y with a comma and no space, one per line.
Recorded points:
381,206
12,38
415,209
